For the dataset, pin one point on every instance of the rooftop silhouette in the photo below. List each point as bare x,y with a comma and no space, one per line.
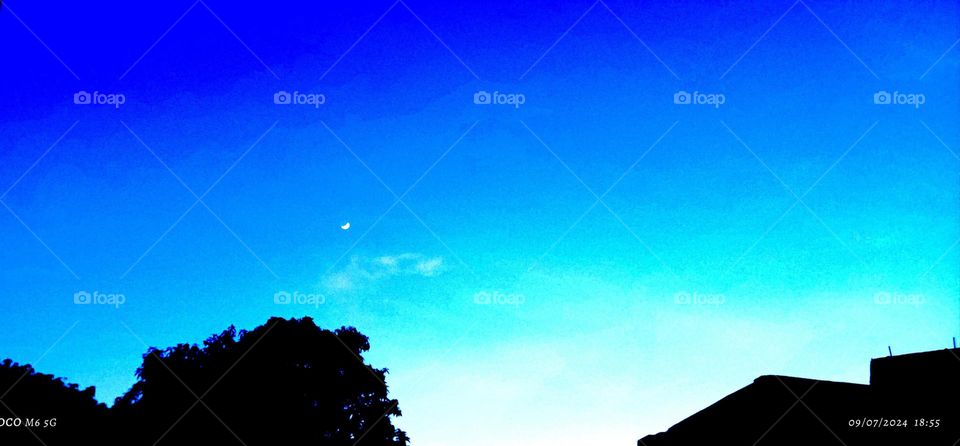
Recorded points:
911,399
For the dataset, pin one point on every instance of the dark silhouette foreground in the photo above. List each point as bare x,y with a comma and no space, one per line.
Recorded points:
911,400
285,382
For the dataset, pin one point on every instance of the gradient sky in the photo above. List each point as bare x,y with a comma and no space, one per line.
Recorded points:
810,227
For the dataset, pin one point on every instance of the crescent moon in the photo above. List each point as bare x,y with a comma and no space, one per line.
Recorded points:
345,226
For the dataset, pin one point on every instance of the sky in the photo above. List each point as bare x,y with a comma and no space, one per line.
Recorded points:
568,222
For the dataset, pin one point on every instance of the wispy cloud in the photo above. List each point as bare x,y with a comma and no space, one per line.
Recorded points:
363,271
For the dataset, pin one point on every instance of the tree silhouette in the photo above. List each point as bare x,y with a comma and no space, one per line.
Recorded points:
285,382
62,411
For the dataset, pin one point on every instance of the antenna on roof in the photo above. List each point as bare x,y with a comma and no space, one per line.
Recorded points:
889,351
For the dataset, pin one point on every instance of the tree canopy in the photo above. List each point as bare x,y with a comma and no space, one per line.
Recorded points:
284,382
62,411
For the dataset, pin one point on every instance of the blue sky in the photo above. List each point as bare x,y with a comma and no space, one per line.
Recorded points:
590,266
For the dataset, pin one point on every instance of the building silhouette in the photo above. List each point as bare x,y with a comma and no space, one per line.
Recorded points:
912,399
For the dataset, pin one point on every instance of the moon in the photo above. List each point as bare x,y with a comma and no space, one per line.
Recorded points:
345,226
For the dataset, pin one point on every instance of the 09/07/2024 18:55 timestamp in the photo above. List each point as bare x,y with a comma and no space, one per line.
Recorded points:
931,423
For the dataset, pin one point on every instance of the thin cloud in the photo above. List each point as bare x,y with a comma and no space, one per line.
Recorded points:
362,271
